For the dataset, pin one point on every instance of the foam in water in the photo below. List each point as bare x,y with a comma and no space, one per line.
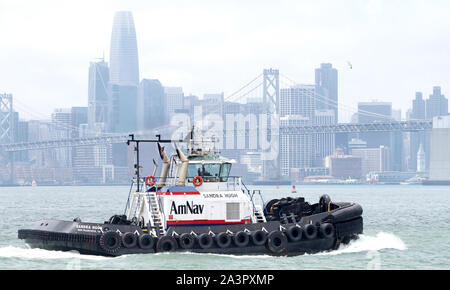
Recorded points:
26,253
368,243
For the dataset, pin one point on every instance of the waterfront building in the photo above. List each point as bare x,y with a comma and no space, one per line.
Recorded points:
440,150
344,166
418,112
373,159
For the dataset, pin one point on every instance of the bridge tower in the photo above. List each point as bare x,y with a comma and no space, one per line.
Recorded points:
271,107
7,130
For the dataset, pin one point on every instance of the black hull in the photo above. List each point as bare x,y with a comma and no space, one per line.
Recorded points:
89,238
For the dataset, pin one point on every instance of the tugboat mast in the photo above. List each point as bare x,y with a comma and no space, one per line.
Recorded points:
137,166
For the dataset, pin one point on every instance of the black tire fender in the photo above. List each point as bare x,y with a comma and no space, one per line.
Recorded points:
205,241
277,242
186,241
258,238
241,239
223,240
294,233
129,240
110,242
146,242
166,244
310,231
327,230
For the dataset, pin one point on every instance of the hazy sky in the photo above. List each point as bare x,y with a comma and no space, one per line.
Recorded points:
396,47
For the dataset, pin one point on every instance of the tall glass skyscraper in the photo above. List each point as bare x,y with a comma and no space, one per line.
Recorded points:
327,88
124,64
124,75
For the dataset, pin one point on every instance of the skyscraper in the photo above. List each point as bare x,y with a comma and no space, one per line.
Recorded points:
174,100
370,112
98,93
296,109
124,75
152,108
324,144
124,54
327,89
437,104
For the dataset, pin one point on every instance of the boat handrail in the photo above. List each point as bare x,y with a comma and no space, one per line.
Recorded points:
232,182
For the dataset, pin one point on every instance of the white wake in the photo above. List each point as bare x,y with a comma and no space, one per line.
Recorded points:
27,253
370,243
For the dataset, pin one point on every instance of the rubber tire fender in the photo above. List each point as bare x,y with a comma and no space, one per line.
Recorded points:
294,233
223,240
187,241
166,244
310,231
205,241
277,242
327,230
258,238
110,242
241,239
129,240
146,242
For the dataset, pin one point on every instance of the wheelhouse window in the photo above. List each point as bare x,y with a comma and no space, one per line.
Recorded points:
210,172
225,172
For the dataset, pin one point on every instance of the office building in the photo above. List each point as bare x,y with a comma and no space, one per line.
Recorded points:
98,93
437,104
297,108
174,100
373,159
124,63
327,89
152,107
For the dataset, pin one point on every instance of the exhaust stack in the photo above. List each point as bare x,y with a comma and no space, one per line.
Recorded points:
165,167
184,166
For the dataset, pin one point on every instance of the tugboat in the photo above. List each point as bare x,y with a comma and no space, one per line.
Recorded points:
196,206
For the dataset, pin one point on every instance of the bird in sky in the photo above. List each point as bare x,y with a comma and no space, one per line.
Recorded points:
350,65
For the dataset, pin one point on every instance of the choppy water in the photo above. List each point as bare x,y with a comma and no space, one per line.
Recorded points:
406,227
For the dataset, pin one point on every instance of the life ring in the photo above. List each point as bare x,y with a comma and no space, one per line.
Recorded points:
187,241
197,181
294,233
166,244
146,242
129,240
241,239
110,242
150,180
223,240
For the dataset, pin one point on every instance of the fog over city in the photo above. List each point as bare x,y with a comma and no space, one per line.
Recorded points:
383,50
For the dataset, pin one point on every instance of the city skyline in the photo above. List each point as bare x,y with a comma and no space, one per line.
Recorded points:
163,60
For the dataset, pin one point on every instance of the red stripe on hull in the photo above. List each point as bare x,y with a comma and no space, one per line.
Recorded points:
202,222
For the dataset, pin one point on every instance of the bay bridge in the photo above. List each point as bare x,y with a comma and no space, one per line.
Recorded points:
265,87
392,126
